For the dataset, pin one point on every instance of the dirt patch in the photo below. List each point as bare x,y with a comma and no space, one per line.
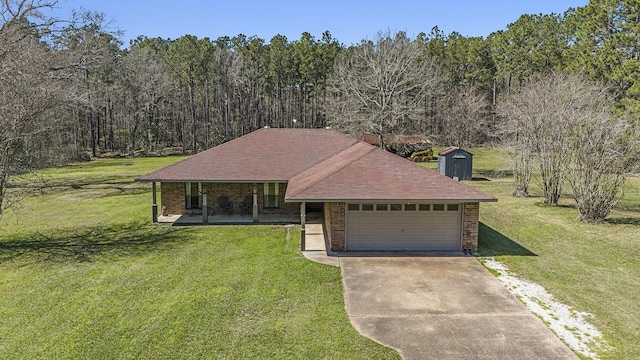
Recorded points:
571,326
91,194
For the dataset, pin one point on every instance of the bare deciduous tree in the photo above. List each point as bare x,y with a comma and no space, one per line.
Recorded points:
538,118
601,157
29,92
521,162
88,51
464,114
381,86
144,81
564,123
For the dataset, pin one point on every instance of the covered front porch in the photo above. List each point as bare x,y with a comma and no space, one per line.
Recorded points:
187,203
221,219
223,202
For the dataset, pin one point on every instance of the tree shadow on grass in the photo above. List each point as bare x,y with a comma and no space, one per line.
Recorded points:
495,174
91,243
623,221
493,243
103,189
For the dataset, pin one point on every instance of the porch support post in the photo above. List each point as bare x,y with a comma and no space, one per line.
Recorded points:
255,203
303,229
154,206
205,211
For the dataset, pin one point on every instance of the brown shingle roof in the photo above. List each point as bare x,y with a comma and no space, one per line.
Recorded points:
319,165
263,155
379,175
307,179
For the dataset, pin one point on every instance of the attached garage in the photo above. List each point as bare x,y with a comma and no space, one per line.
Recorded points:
403,227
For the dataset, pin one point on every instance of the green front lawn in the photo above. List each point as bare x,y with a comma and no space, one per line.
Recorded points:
84,274
592,267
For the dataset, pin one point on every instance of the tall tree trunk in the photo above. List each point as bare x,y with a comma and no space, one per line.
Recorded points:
111,142
207,113
90,120
192,107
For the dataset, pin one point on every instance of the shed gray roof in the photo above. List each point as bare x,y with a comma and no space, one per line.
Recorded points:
451,149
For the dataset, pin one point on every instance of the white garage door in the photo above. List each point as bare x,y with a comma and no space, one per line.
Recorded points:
403,227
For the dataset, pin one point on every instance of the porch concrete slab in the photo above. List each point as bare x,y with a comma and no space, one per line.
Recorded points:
233,219
316,246
168,218
314,239
322,258
442,308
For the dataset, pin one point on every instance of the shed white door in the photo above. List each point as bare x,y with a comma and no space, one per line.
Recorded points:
423,227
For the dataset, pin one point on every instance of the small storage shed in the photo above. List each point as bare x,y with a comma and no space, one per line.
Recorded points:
455,163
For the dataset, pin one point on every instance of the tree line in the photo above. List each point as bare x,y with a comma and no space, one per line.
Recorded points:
69,90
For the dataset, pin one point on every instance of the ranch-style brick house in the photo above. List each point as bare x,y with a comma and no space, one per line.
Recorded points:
371,200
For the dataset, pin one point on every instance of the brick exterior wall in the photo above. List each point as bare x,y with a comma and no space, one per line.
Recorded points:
334,215
173,197
234,192
285,208
470,226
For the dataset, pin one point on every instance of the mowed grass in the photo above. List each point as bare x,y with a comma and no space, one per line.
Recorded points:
85,275
594,268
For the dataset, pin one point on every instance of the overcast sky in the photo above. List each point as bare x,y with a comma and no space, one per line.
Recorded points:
348,21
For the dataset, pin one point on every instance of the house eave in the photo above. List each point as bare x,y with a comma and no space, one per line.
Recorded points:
403,201
240,181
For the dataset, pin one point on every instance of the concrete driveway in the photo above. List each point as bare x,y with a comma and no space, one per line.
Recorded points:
442,308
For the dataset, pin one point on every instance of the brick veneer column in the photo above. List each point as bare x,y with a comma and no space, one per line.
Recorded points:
327,220
470,225
337,226
172,196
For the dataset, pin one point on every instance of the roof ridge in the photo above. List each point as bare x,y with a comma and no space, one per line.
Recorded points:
322,170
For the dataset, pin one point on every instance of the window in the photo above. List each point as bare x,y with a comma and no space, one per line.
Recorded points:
271,198
396,207
424,207
353,207
381,207
410,207
452,207
367,207
192,196
438,207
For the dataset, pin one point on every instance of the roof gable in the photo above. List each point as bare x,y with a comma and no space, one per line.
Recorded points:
378,175
307,179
